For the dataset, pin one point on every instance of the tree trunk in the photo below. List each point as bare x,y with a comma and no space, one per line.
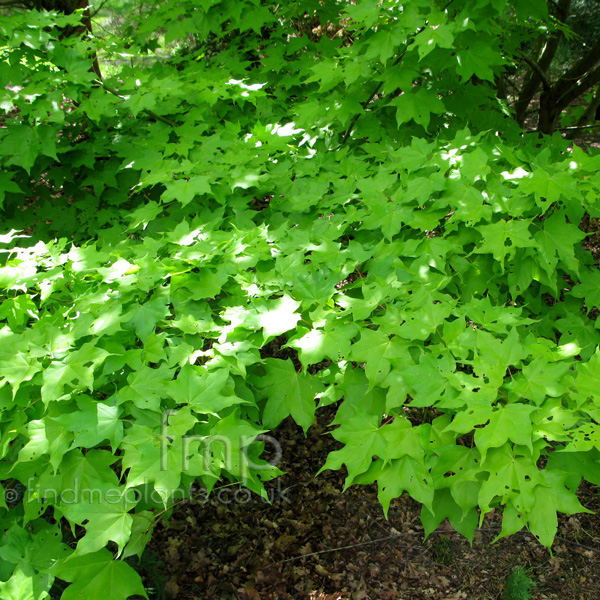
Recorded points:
67,7
548,114
554,100
532,82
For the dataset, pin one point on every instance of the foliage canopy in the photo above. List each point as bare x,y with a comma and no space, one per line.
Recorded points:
310,203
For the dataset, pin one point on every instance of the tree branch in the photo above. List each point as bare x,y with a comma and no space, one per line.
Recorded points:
583,66
573,128
590,111
579,127
149,112
98,9
536,68
532,83
587,82
370,99
355,117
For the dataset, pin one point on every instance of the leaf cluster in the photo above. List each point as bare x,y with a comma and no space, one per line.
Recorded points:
200,247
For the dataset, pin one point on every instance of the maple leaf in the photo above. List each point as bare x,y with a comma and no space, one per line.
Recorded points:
417,106
184,191
106,518
288,393
502,239
97,576
511,422
362,438
204,392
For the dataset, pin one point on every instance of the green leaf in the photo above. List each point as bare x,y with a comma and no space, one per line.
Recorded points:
444,507
204,392
542,520
19,369
376,349
511,478
510,422
362,439
98,576
318,344
151,462
146,387
23,585
287,393
148,315
317,286
548,188
88,471
430,37
21,143
477,60
396,77
503,238
204,283
328,73
588,289
540,380
93,422
558,240
404,474
417,106
106,516
7,186
184,191
141,533
144,215
277,316
366,13
58,375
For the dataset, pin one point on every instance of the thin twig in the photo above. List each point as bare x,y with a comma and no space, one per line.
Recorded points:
383,539
149,112
567,128
371,98
579,127
368,542
399,535
380,84
355,117
577,544
98,9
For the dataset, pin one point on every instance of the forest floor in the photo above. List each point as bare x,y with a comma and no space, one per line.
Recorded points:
314,542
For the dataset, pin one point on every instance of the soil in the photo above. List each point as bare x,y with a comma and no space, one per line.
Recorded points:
314,542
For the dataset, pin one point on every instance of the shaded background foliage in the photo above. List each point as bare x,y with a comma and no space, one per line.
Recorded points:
260,209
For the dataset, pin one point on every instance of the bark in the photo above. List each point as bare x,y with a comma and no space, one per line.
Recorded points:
583,76
501,87
67,7
532,82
